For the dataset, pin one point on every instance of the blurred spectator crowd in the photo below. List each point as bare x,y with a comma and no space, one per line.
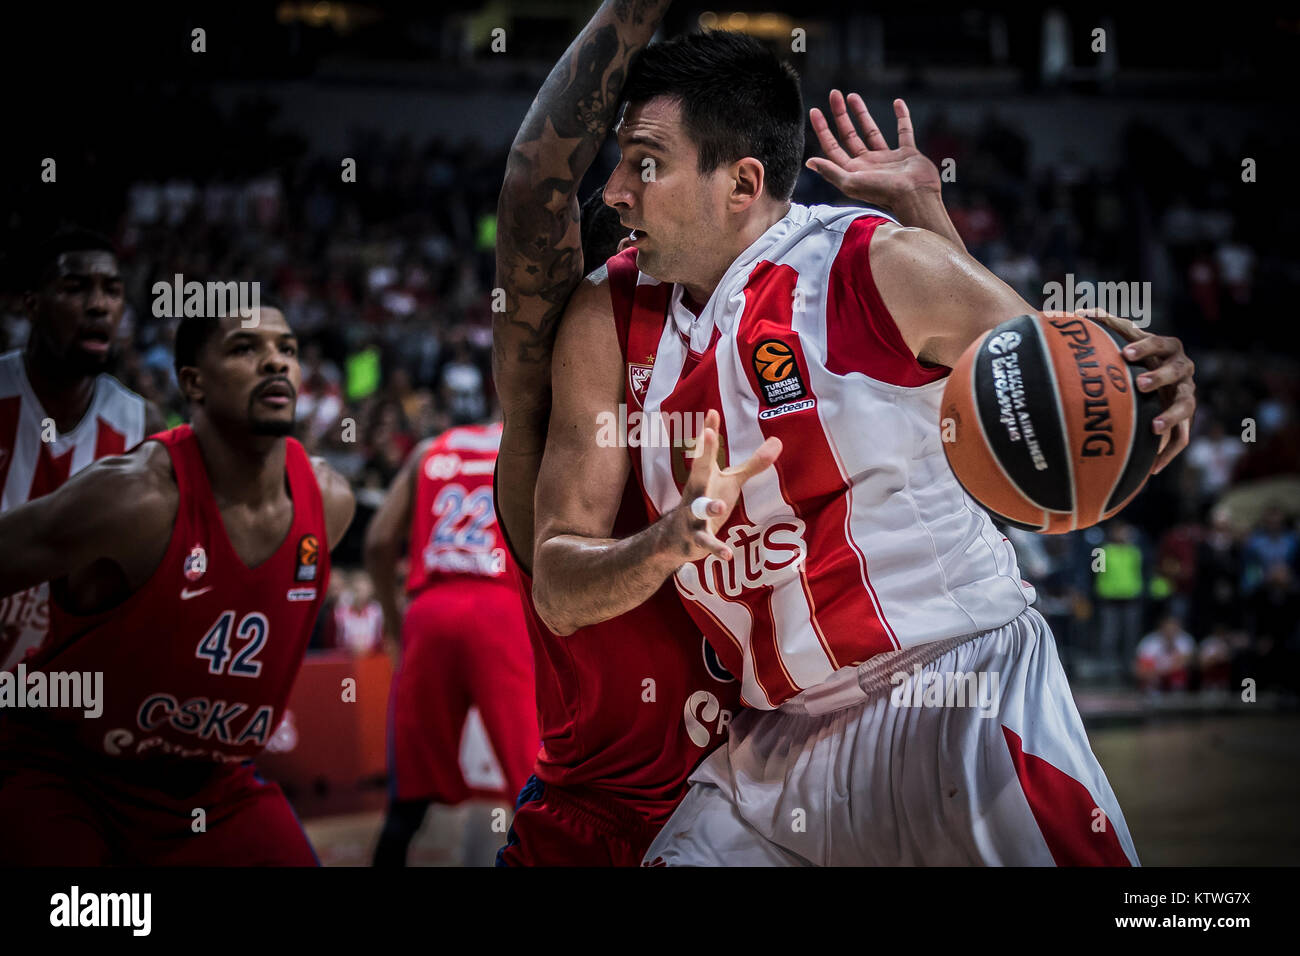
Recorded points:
387,281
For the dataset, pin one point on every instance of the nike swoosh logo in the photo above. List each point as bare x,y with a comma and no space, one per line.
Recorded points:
186,593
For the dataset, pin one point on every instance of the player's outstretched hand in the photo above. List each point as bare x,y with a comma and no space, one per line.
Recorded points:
865,168
1170,373
716,490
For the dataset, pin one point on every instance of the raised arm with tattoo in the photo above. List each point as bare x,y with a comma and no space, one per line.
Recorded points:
539,250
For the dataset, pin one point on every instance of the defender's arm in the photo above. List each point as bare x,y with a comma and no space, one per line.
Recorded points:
119,509
387,530
539,249
582,575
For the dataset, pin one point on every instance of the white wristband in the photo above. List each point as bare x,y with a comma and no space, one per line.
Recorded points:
700,507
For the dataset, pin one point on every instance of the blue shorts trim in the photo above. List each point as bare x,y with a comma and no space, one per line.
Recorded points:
532,791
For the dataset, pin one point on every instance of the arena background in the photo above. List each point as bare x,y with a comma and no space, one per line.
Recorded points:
1168,158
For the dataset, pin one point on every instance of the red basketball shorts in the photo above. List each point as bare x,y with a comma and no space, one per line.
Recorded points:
563,826
58,811
463,644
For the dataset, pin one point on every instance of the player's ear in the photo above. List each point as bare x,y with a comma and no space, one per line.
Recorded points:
190,384
747,178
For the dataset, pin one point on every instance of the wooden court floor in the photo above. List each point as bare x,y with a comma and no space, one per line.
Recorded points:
1207,791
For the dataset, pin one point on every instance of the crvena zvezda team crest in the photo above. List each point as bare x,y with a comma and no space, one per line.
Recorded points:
638,380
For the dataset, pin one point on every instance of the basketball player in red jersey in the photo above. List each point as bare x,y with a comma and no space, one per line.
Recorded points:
59,410
869,315
188,572
629,706
463,638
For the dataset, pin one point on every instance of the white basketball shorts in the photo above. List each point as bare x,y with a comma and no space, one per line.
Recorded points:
968,751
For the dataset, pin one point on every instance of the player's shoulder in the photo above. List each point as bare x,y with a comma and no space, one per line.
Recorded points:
424,446
896,245
113,389
594,288
337,498
135,491
413,466
147,467
329,479
120,405
590,309
835,218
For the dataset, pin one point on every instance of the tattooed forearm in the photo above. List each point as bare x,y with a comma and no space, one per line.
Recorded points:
539,243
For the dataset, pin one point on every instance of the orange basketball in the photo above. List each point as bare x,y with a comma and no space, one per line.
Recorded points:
774,360
1044,426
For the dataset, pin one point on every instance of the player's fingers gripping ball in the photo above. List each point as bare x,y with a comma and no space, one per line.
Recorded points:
1043,423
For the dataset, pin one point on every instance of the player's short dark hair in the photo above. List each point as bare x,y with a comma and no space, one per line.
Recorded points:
738,99
45,255
192,334
601,231
194,331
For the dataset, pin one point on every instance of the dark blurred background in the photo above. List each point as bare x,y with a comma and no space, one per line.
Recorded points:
1126,165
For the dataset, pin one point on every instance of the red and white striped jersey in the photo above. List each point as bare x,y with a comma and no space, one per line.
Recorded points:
31,466
860,540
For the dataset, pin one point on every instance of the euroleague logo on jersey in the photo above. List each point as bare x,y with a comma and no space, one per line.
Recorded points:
779,379
308,555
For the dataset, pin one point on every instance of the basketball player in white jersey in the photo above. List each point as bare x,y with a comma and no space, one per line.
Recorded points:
59,409
905,701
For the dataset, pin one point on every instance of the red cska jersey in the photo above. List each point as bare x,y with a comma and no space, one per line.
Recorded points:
198,663
453,521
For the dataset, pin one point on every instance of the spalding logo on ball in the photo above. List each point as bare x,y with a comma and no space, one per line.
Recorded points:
1052,433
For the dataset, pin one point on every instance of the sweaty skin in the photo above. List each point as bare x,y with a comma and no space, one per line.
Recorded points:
102,535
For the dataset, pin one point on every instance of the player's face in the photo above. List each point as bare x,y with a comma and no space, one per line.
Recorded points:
658,190
77,310
251,376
